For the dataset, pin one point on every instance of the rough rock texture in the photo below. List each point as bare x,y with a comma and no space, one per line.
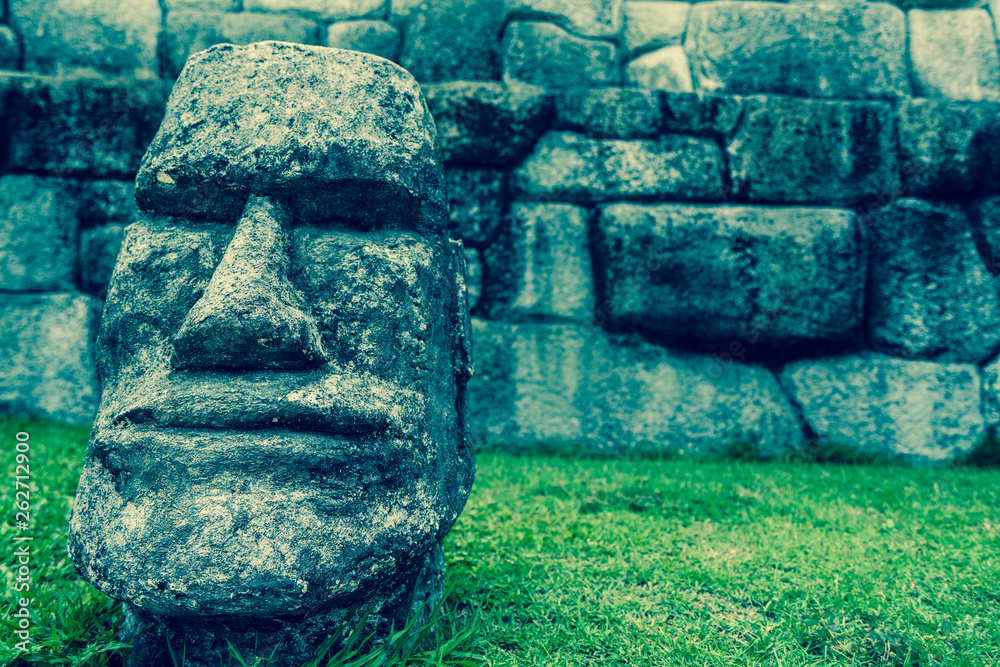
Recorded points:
930,295
708,115
190,31
588,18
916,410
949,149
799,151
80,126
376,37
541,270
276,349
543,54
324,9
37,234
478,204
664,69
653,24
572,385
772,278
569,167
487,124
98,251
954,54
46,342
614,113
986,222
450,40
115,37
848,51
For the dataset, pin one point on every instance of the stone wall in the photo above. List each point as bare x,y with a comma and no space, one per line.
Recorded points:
686,224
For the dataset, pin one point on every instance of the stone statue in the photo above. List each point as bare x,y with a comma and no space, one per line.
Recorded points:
284,353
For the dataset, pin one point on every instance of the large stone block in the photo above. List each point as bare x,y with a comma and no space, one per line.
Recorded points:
949,148
930,294
588,18
954,54
81,126
849,51
573,385
450,40
614,113
572,168
663,69
543,54
478,202
37,234
376,37
799,151
767,279
47,343
653,24
190,31
487,124
701,114
541,270
920,411
325,10
116,37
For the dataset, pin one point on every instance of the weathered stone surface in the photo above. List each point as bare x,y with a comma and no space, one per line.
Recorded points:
81,127
954,54
543,54
799,151
920,411
569,167
473,276
664,69
991,395
986,221
190,31
10,50
450,40
107,203
376,37
588,18
541,270
111,36
285,351
46,342
37,234
654,24
478,203
572,385
324,9
949,148
614,113
487,124
930,295
701,114
849,51
98,251
221,5
766,278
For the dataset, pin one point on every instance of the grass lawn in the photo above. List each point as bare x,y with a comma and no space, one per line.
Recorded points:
567,561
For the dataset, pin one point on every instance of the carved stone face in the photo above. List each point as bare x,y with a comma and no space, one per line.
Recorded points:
283,347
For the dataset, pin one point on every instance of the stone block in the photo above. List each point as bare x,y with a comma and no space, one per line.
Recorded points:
543,54
587,18
920,411
768,279
98,251
376,37
326,10
190,31
220,5
663,69
991,395
954,54
473,276
114,37
572,168
572,385
653,24
10,50
107,203
450,40
487,124
949,148
614,113
85,127
930,294
478,202
47,343
800,151
541,270
37,234
847,51
701,114
986,224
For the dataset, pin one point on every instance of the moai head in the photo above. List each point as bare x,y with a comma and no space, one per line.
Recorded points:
283,349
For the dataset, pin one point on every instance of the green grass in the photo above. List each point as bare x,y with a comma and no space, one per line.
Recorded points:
653,561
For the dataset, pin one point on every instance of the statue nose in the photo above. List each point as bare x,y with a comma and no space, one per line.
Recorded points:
250,314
